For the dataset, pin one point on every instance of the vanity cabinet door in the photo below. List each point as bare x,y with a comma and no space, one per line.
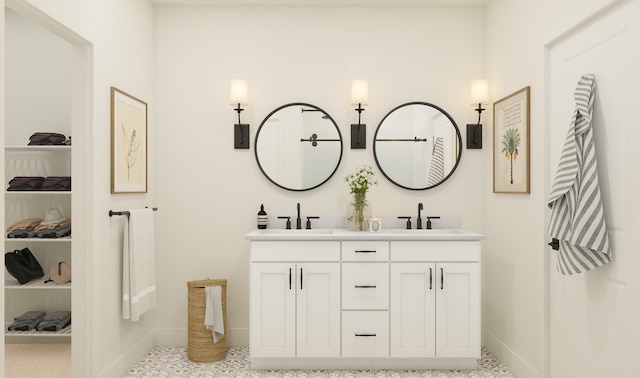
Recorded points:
318,309
413,323
458,310
272,314
435,310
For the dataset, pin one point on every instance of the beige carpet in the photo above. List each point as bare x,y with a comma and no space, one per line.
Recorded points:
37,360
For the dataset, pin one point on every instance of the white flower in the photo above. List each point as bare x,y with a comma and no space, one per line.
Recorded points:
361,179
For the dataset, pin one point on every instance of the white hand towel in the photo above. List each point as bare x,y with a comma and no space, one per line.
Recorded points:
138,265
213,318
577,215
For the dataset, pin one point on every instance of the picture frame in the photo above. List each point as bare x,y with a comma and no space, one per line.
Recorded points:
511,145
128,143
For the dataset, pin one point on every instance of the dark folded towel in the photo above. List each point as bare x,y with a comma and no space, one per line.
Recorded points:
28,183
26,233
57,183
55,321
27,321
24,325
31,315
53,325
56,232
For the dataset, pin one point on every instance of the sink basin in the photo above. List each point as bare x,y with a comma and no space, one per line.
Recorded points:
280,231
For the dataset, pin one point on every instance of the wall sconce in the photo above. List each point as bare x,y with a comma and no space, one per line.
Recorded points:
239,98
359,96
480,96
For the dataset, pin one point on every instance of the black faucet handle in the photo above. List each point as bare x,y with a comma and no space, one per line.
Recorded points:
288,222
309,222
408,221
429,222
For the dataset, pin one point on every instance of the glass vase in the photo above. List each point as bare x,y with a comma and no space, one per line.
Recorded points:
359,213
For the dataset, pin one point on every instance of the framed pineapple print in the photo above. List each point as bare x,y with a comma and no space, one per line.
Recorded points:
511,153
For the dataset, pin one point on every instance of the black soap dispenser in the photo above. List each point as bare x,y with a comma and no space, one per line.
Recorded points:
262,218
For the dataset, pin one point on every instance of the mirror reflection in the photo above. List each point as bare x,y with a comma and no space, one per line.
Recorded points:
298,146
417,146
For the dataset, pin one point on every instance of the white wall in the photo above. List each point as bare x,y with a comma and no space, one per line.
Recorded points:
208,193
121,34
515,279
37,82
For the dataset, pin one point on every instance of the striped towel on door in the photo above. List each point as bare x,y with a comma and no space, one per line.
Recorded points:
436,170
577,216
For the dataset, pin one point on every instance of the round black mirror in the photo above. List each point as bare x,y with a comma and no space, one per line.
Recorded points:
417,146
298,146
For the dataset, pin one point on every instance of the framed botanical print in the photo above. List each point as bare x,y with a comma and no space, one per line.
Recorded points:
128,143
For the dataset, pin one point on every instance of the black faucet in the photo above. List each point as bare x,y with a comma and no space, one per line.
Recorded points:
419,225
298,220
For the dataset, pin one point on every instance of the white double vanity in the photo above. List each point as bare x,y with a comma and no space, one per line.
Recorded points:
396,299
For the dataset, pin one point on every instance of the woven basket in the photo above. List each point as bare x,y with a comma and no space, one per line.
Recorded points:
200,347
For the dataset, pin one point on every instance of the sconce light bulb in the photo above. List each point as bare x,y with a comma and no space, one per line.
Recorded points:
479,92
239,95
359,92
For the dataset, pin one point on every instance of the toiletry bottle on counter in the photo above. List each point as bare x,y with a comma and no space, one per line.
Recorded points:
262,218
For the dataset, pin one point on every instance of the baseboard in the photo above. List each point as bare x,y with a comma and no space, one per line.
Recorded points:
178,336
121,366
519,366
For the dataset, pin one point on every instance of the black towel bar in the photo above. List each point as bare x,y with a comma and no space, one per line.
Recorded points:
127,213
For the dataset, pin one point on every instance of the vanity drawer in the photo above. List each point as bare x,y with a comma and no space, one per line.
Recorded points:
451,251
274,251
365,286
365,251
365,334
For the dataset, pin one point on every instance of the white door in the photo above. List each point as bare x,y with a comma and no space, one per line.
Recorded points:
457,310
318,323
413,321
272,314
594,315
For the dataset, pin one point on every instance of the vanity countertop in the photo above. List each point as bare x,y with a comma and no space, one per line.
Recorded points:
451,234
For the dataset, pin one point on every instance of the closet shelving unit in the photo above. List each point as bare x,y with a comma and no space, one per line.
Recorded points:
37,294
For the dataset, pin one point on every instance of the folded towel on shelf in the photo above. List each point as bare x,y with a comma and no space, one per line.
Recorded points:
213,318
55,321
50,226
24,224
26,233
23,325
138,265
31,315
27,321
56,232
57,183
25,183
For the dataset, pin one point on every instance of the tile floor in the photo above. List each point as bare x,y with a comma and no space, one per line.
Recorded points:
172,362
